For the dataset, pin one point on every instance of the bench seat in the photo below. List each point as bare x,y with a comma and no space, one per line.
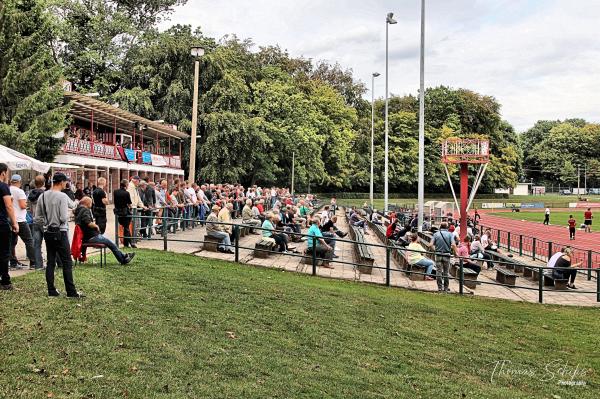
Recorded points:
263,248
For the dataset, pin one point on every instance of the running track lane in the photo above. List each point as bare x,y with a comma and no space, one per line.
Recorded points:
558,235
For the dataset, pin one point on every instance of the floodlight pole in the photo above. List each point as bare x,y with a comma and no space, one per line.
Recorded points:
388,21
373,76
421,180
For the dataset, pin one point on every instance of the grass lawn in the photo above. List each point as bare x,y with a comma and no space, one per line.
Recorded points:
559,218
178,326
553,200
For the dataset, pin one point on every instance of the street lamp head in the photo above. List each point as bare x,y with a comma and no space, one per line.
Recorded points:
390,19
376,74
197,51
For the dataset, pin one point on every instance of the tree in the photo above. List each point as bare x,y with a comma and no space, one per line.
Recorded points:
31,97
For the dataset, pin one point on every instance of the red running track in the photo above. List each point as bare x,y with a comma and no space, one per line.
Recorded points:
558,235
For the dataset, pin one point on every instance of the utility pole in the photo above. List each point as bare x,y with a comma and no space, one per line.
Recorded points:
578,180
293,164
421,178
585,178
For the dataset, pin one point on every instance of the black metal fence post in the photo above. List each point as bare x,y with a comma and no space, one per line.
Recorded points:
533,248
461,279
508,242
117,231
387,266
314,257
165,231
520,244
541,285
589,264
498,241
236,234
549,250
598,285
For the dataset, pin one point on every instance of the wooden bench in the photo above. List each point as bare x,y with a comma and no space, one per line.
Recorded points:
211,243
505,276
470,276
380,231
263,248
307,259
512,264
363,253
413,272
549,280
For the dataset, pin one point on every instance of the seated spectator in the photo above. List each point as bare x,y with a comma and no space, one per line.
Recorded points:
248,217
375,218
565,269
478,252
91,231
552,261
415,257
287,218
225,217
315,238
213,229
268,232
256,213
330,226
358,221
464,251
325,214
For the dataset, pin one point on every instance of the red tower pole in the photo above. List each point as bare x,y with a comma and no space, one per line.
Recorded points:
464,198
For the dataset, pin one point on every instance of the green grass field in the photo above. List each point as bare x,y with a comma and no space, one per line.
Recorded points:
178,326
559,218
552,200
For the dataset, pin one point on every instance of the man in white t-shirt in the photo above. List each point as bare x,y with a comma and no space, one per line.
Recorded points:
20,208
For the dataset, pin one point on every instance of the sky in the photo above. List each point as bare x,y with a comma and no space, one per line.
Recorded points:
539,58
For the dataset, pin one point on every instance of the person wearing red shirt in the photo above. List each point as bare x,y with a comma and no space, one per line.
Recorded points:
572,224
587,220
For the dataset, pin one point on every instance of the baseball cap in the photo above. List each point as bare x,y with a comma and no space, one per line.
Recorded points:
15,178
59,178
136,177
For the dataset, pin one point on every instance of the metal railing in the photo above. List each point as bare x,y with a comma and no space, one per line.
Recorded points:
166,237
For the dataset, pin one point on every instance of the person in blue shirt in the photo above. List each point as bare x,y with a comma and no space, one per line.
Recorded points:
444,245
268,232
315,238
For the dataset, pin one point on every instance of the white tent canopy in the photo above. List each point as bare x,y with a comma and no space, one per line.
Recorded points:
18,161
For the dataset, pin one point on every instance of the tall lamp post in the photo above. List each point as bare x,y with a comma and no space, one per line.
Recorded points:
375,74
421,180
196,52
389,20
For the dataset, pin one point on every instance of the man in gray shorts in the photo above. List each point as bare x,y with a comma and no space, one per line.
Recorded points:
444,246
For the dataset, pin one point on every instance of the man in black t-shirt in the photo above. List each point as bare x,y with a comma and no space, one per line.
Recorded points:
8,225
100,202
122,202
91,232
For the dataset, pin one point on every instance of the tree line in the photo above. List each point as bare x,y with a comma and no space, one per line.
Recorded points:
259,106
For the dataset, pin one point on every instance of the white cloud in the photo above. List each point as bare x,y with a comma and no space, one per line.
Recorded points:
540,59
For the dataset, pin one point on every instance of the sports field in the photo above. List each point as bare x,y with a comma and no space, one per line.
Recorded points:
179,326
558,218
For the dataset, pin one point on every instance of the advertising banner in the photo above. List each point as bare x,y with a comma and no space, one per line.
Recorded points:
130,154
531,205
146,157
158,160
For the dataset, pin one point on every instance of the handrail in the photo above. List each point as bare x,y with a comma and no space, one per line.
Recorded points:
235,243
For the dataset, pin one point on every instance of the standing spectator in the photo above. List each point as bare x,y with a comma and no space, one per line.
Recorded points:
37,230
444,246
572,225
52,212
100,202
19,202
78,191
68,191
587,220
8,226
122,202
88,190
136,203
547,216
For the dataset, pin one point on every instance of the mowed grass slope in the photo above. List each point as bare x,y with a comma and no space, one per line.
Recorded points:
178,326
